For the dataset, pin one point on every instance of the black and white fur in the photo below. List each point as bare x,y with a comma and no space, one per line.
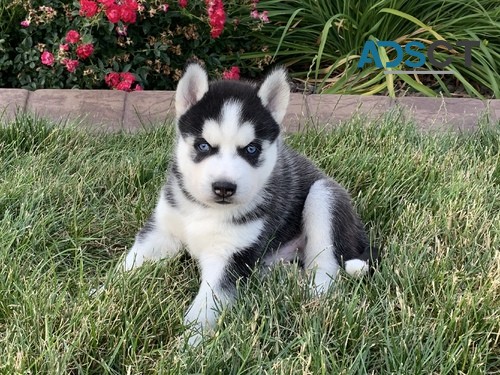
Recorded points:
236,195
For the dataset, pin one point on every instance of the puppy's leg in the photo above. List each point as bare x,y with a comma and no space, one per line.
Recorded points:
202,313
219,274
334,234
155,240
319,251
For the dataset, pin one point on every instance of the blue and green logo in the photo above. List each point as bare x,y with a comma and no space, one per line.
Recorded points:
418,55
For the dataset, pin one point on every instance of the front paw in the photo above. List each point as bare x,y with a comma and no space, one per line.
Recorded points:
96,292
322,282
202,312
197,326
192,336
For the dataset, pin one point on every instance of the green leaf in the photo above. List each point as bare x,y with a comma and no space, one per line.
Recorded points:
285,30
412,19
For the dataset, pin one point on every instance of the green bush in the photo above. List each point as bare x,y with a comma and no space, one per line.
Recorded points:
321,42
152,39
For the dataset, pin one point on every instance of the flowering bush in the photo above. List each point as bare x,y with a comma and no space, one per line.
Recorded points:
127,44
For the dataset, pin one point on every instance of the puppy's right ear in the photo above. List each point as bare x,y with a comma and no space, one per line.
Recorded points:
191,88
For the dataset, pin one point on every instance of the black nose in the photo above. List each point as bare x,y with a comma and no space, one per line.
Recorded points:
223,189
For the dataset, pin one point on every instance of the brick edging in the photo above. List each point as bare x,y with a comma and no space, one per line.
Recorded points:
113,110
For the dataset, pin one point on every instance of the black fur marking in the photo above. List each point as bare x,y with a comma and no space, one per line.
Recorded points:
174,171
148,227
255,160
240,266
258,213
188,195
169,196
349,236
210,107
198,155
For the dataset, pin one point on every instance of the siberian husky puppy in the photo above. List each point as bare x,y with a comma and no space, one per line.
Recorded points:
237,196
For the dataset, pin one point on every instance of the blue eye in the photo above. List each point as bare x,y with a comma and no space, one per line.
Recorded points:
251,149
203,147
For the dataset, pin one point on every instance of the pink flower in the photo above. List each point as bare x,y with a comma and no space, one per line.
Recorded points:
47,58
128,15
264,16
113,12
164,7
233,73
107,3
84,51
124,86
63,47
183,3
127,77
70,64
217,17
131,4
138,88
112,79
88,8
72,36
25,23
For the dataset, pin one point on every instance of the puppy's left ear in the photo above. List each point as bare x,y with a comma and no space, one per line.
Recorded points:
191,88
275,93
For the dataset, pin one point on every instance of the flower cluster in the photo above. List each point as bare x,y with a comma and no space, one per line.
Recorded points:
217,17
45,14
122,81
73,41
233,73
263,16
116,11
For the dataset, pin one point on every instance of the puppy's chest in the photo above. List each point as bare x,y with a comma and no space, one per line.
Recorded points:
209,232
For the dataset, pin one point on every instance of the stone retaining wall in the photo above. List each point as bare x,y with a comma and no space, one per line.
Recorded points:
114,110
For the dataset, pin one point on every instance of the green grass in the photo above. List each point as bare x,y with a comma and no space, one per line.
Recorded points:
71,202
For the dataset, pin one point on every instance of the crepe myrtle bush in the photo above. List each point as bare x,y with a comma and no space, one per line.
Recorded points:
126,44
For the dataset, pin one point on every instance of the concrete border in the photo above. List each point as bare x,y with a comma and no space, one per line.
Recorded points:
118,110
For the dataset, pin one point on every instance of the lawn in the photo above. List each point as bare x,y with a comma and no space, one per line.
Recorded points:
71,202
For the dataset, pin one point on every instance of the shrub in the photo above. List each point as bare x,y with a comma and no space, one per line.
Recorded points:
321,41
123,44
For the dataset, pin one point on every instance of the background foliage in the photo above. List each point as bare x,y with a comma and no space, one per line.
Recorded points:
320,41
155,47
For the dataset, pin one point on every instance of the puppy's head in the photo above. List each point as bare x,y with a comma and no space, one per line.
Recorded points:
228,135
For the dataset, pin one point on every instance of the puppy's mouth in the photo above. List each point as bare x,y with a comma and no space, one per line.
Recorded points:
223,201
